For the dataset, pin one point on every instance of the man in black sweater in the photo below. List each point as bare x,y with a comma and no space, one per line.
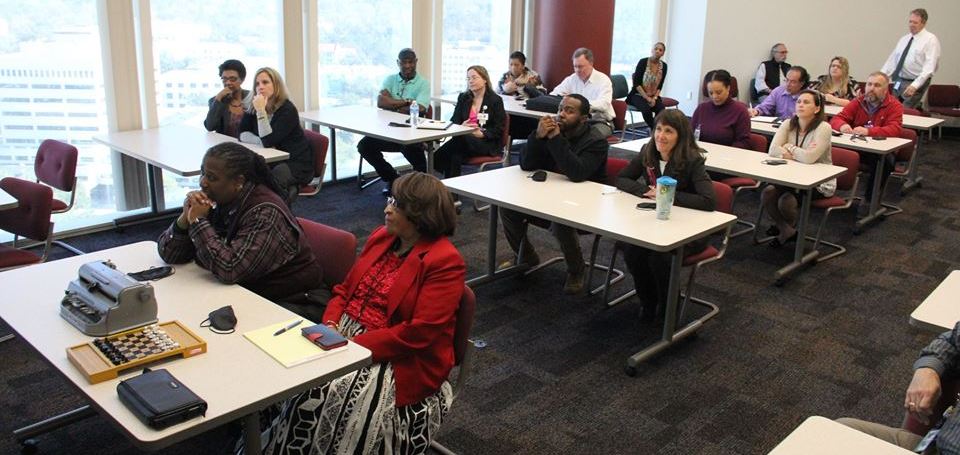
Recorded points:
572,145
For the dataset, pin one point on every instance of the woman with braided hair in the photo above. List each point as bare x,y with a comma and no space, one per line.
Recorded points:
238,227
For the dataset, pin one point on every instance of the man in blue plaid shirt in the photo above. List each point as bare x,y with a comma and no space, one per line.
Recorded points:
941,358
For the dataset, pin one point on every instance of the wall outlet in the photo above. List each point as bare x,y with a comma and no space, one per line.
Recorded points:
689,94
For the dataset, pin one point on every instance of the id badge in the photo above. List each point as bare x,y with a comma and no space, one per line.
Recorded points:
896,86
925,442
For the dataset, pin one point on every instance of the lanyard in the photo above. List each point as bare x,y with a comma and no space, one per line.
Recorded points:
798,140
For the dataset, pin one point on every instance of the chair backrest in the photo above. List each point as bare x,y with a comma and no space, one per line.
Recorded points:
940,95
620,109
724,195
56,164
334,249
31,217
620,86
850,160
465,316
758,143
734,89
905,153
505,137
909,111
614,166
318,143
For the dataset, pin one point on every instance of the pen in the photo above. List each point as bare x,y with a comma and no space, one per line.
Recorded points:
284,329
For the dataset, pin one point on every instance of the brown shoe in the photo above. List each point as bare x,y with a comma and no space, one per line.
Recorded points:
575,282
530,261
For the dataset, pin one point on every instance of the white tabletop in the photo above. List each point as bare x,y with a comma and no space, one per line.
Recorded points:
234,376
374,122
914,122
870,145
822,436
590,206
511,105
748,163
940,311
7,201
176,148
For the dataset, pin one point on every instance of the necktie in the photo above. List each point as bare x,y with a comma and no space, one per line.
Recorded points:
903,58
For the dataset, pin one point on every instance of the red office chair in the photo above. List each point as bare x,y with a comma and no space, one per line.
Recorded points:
502,160
724,198
943,100
758,143
619,121
428,113
462,349
56,166
318,143
846,185
669,103
30,219
335,249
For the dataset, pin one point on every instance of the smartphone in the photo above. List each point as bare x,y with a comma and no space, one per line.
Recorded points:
835,133
324,336
153,273
878,138
401,125
774,162
646,206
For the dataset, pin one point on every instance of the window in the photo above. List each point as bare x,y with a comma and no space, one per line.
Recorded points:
359,42
190,40
42,48
475,32
634,33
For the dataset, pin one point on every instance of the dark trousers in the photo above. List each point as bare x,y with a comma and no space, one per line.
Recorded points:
515,229
371,149
646,110
869,165
450,156
651,274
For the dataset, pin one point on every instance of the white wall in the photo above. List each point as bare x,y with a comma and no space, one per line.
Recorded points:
737,36
686,23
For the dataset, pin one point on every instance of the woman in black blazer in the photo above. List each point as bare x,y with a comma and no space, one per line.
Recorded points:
478,107
671,152
647,82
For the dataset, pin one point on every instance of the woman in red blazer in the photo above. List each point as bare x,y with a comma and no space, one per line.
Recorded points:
400,301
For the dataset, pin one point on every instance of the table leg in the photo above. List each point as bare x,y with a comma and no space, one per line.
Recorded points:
492,273
913,174
670,319
251,432
155,184
333,154
799,259
876,211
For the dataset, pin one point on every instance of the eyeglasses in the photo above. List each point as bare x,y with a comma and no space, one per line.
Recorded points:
392,202
229,79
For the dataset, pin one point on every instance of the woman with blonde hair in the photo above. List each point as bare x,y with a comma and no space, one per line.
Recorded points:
273,121
480,108
837,86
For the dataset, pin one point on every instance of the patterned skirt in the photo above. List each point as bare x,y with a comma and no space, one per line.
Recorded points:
357,413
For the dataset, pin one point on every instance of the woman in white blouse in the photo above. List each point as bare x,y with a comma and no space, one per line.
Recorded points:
804,138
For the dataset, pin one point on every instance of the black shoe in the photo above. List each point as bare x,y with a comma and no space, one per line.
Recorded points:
648,311
776,243
773,231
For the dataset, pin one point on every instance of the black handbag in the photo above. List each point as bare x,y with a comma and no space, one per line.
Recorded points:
545,103
160,400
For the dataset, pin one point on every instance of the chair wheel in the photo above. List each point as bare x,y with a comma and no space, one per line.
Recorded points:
29,447
630,371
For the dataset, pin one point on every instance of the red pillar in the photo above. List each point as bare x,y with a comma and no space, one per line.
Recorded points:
562,26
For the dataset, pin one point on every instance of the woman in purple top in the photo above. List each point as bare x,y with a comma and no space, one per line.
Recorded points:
722,120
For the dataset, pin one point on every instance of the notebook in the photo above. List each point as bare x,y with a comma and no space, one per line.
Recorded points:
428,124
289,348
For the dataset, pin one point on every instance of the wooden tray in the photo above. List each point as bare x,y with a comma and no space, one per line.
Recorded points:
97,367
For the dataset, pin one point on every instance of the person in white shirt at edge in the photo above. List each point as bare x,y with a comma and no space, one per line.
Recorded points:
910,71
593,85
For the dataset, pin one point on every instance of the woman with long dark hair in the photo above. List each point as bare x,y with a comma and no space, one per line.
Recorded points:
671,152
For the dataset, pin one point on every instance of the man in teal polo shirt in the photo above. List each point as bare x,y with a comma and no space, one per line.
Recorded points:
399,90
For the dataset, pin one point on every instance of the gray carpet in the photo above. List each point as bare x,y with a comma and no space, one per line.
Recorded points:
834,341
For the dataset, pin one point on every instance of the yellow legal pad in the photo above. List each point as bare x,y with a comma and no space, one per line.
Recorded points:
290,348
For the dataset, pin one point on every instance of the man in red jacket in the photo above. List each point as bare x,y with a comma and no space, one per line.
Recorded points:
876,113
